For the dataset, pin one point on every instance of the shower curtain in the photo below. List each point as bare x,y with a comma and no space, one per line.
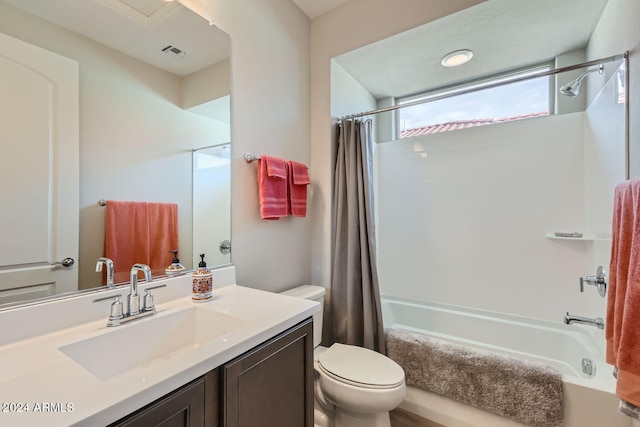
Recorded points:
356,315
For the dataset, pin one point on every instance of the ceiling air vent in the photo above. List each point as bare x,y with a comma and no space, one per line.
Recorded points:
173,51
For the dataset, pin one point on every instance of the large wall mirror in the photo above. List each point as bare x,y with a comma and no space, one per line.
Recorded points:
148,97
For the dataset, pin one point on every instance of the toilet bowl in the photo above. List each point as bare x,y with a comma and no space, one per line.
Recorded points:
354,386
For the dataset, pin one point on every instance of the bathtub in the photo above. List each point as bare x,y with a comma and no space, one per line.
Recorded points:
589,398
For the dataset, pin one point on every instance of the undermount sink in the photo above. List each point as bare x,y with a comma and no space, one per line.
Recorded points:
148,340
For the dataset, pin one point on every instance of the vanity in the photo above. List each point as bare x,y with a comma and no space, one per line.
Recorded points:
243,359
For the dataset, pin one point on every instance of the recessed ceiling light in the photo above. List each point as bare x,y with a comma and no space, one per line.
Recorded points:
457,57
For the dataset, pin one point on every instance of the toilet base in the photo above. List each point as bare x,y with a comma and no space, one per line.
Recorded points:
321,418
350,419
340,418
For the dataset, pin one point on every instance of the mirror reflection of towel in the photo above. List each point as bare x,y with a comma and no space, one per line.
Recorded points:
140,232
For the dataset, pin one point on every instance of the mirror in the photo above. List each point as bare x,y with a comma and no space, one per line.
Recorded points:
153,90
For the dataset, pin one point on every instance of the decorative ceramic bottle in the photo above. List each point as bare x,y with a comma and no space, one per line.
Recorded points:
175,266
202,289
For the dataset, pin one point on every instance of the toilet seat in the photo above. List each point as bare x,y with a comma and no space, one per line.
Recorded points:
360,367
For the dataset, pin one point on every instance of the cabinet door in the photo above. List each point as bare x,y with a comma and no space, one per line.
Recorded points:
184,407
272,385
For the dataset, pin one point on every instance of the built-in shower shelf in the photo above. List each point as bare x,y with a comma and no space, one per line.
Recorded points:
584,238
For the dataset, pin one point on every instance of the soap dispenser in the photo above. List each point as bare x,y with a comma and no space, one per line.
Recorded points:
202,289
175,266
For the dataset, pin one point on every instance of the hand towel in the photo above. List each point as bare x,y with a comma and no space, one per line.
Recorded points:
272,187
298,181
140,232
623,303
628,390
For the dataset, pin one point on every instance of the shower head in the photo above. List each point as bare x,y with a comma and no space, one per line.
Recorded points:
573,88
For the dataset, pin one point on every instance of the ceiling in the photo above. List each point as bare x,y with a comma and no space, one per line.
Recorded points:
139,28
313,8
503,34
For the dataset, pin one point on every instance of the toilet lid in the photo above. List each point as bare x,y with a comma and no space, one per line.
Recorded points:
360,365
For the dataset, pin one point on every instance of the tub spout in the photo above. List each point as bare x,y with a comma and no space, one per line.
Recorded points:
597,322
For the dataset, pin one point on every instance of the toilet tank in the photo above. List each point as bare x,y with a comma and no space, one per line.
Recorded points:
314,293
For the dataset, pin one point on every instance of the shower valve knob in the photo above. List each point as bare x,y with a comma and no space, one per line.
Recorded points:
599,281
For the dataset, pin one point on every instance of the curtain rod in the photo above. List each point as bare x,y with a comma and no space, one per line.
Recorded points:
492,85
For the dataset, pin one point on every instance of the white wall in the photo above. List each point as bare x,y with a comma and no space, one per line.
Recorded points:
347,94
616,32
270,115
208,84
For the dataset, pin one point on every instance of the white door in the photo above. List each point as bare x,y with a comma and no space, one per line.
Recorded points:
39,171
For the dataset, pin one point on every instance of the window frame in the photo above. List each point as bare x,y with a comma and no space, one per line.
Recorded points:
453,90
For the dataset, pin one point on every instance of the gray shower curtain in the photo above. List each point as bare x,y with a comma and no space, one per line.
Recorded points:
356,315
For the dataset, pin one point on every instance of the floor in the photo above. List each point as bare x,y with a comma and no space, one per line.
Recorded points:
402,418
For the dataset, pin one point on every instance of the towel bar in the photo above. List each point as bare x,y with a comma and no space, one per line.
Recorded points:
248,157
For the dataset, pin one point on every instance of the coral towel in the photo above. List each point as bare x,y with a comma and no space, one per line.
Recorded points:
298,181
623,304
272,187
140,232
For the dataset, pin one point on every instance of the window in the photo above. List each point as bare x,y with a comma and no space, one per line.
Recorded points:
499,104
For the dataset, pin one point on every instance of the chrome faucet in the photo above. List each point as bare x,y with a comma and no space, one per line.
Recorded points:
118,315
133,298
597,322
599,281
109,263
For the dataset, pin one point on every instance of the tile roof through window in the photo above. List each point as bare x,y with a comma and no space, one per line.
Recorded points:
462,124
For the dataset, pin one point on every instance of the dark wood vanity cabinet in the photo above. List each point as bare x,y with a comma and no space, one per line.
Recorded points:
268,386
271,385
185,406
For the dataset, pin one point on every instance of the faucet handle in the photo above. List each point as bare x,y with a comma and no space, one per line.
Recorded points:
148,304
116,309
599,281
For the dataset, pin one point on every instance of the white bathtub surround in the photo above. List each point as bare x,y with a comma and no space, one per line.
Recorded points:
473,231
485,198
557,345
527,392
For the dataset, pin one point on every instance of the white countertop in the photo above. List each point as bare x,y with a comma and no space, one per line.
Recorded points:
59,391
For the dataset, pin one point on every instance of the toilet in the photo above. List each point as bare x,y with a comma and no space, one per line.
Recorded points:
354,386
